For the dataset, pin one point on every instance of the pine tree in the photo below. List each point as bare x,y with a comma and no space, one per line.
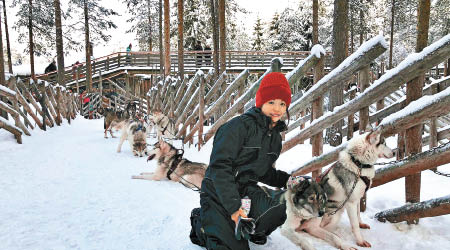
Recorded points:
59,42
90,15
274,33
8,47
40,14
144,20
258,35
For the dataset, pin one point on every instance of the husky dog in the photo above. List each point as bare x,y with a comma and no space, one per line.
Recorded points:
111,118
165,128
305,200
134,132
172,165
345,183
149,125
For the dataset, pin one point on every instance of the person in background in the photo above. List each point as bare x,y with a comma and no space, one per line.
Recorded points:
51,67
129,53
244,152
198,49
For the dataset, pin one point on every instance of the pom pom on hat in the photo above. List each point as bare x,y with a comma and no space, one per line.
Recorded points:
273,86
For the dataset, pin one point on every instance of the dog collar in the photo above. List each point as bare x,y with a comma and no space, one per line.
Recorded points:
140,127
359,164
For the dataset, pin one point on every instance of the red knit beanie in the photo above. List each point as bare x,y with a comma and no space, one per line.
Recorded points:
273,86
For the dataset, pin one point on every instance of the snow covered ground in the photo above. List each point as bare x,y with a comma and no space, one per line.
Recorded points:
67,188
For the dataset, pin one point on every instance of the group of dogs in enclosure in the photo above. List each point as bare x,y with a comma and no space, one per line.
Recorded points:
313,206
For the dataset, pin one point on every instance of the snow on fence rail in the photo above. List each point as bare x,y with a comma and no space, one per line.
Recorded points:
47,110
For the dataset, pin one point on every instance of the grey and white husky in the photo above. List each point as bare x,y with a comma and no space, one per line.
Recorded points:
345,183
304,201
134,132
172,165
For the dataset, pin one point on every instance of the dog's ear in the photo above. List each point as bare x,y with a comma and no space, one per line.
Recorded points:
164,146
373,137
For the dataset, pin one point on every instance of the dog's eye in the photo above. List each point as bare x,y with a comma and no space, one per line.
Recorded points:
311,198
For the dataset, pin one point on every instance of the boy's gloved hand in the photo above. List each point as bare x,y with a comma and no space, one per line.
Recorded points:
244,227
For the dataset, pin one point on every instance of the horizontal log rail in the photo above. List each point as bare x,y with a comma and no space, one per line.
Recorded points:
410,212
413,164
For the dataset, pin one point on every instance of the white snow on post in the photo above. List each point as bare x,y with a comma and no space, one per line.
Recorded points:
318,50
277,58
6,89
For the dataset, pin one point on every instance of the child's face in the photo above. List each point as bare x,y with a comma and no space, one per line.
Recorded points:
274,109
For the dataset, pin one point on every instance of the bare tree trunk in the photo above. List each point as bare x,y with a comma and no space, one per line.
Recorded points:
222,34
340,30
8,48
215,32
161,49
87,48
3,113
59,42
166,38
150,45
180,39
30,38
391,42
414,92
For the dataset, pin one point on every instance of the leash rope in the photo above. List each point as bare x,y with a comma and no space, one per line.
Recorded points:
350,194
412,155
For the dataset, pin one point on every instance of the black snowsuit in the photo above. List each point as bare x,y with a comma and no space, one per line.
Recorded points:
244,151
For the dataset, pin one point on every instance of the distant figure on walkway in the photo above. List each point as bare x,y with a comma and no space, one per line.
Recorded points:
207,55
198,47
51,67
75,69
129,53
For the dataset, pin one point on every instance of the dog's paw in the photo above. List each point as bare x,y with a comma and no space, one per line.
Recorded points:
118,150
363,243
364,226
347,247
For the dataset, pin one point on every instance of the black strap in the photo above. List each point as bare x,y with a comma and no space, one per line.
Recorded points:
366,181
176,161
359,164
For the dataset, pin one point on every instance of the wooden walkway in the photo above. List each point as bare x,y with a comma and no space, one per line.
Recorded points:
148,63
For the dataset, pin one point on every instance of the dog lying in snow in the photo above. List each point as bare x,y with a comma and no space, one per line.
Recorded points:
171,164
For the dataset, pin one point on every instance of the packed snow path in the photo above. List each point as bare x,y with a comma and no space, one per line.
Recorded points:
67,188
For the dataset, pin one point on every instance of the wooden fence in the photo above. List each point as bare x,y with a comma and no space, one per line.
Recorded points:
44,104
223,101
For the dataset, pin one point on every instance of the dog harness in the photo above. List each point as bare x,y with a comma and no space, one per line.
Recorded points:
360,165
174,165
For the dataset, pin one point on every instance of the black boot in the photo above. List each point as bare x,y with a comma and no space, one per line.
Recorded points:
258,238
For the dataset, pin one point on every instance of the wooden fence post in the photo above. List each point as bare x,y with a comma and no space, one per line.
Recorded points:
201,103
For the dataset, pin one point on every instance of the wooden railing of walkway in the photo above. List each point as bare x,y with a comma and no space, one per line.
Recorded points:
149,63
